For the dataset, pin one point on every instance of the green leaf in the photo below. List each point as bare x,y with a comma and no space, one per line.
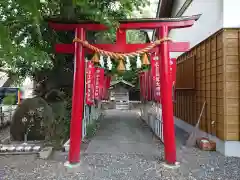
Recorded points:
26,41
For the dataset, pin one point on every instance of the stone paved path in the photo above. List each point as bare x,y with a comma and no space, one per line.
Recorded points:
123,149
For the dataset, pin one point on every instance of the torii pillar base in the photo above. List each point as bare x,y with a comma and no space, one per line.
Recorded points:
69,165
176,165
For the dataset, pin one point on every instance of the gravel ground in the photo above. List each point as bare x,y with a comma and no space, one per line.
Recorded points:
124,149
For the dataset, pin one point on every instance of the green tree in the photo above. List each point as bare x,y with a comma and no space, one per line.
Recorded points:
9,99
26,41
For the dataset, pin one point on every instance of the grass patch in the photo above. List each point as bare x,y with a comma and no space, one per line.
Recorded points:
91,129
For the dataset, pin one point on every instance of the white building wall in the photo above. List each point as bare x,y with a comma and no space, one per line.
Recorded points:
231,18
27,87
210,21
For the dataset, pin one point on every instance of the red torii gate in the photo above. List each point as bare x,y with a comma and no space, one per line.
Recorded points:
163,26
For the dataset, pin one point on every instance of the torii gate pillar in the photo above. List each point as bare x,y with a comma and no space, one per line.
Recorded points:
166,99
77,99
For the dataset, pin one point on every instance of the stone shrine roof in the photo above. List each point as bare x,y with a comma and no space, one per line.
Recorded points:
121,81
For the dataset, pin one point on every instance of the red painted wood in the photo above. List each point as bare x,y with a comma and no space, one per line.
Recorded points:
130,25
77,101
153,25
101,83
99,79
173,47
93,84
144,85
166,100
149,79
156,77
153,77
89,81
141,82
121,37
107,83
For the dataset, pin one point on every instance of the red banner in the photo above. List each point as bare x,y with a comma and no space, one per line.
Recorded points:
153,75
141,84
93,84
107,83
89,83
156,78
99,81
155,72
104,88
144,85
149,85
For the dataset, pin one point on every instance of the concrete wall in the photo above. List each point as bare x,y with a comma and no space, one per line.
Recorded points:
216,14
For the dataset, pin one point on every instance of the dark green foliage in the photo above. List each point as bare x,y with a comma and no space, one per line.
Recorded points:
92,129
54,96
55,99
10,99
26,49
26,40
68,109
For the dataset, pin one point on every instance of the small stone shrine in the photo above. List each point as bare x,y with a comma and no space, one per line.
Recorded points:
119,94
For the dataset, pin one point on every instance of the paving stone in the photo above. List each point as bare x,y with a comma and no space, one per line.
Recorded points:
45,152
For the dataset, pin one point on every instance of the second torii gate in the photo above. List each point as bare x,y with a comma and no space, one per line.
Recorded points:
163,26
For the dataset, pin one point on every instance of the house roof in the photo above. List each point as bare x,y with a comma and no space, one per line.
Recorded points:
165,8
122,21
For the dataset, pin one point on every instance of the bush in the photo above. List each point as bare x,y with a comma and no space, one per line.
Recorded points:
91,129
10,99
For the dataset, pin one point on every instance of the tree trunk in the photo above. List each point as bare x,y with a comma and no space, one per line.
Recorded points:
67,10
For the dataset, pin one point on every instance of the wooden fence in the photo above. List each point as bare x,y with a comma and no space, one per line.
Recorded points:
210,72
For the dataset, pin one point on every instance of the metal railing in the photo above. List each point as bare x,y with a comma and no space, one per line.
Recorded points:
152,114
89,118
